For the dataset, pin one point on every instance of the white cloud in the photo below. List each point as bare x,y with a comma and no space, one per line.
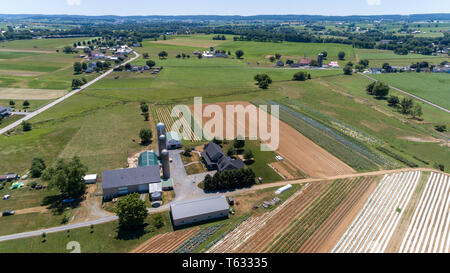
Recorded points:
373,2
73,2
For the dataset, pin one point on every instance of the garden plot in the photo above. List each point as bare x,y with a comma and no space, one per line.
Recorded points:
255,233
428,231
373,228
164,116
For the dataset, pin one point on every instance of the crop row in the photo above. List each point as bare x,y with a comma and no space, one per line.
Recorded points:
428,231
373,228
164,115
334,134
308,222
192,243
336,148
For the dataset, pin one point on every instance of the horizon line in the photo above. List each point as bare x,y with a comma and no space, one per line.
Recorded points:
221,15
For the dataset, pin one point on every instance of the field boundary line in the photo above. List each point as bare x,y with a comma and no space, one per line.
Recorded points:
409,94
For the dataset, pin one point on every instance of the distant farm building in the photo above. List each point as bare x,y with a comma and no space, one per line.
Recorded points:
173,140
199,210
124,181
4,112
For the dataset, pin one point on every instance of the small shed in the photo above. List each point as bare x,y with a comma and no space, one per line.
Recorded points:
155,187
90,179
167,184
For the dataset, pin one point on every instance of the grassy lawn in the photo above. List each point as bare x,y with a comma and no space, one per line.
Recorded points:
34,104
104,239
28,222
260,164
434,87
8,120
24,198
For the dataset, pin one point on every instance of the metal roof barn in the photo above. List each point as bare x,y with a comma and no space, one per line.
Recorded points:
198,210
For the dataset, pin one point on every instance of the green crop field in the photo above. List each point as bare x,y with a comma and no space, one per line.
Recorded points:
42,44
434,87
15,55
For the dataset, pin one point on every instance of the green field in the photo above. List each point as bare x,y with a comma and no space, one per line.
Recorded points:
434,87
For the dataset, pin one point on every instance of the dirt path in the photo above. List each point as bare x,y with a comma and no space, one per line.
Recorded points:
32,210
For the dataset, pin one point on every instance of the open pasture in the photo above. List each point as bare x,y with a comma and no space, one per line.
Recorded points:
46,45
200,41
428,231
30,94
434,87
375,225
15,54
260,52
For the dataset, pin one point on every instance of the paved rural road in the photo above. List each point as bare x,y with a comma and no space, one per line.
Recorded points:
409,94
166,207
50,105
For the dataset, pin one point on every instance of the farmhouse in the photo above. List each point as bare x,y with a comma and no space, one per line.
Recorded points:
4,112
125,181
173,140
215,159
199,210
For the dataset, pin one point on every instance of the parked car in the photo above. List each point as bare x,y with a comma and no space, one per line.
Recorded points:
6,197
8,213
231,201
68,201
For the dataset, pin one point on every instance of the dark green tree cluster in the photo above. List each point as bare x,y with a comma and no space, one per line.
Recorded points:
263,81
146,135
163,54
301,76
37,167
144,110
67,177
228,180
378,89
26,126
131,211
77,83
239,54
220,37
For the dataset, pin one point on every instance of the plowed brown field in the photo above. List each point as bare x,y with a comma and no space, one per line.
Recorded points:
295,147
167,242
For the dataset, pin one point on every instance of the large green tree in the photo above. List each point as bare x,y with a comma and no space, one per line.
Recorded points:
146,135
67,177
132,211
37,167
239,53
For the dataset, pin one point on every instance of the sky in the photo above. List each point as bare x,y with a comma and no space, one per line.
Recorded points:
221,7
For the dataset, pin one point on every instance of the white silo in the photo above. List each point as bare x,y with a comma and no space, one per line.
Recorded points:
161,129
162,143
165,164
